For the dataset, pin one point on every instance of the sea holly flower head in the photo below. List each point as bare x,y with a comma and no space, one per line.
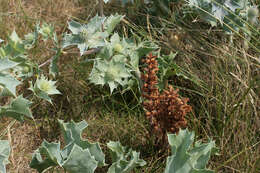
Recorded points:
29,37
47,86
46,31
118,48
114,73
43,87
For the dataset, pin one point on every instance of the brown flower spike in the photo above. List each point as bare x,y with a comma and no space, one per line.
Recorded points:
166,111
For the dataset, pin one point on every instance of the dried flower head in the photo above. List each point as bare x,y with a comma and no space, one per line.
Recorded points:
166,111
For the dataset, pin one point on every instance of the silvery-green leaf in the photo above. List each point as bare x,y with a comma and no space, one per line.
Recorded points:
112,85
219,12
5,64
80,161
71,40
95,24
185,157
106,1
15,44
111,22
83,47
72,134
1,41
123,162
32,38
96,40
74,27
18,108
39,163
4,154
233,23
134,60
52,156
15,38
9,82
200,154
236,4
43,95
3,53
43,88
117,150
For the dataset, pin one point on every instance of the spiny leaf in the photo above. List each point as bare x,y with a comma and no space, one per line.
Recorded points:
90,35
123,162
78,156
80,161
185,157
74,27
72,134
5,64
52,156
15,44
9,82
111,22
18,108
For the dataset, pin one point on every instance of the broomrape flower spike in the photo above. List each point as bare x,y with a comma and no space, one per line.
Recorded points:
166,111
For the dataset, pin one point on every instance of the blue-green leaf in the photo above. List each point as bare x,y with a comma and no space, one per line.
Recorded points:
4,154
9,82
72,134
185,157
111,22
123,161
5,64
18,108
80,161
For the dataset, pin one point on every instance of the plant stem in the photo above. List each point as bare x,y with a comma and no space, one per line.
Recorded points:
101,8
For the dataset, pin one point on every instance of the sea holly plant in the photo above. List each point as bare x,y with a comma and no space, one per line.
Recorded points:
79,155
117,63
187,157
4,154
229,13
19,106
15,69
91,35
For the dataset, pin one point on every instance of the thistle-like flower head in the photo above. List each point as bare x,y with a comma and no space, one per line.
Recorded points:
47,86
